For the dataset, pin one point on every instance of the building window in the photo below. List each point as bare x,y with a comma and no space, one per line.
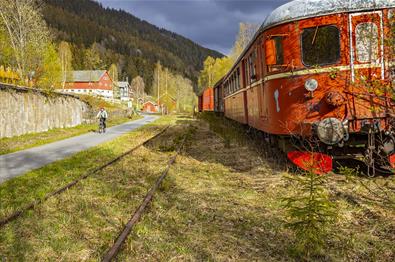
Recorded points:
367,42
320,45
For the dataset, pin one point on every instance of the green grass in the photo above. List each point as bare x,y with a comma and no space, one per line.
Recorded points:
96,103
220,202
223,202
13,144
80,223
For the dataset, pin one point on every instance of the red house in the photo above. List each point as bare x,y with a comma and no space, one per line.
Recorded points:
150,107
90,82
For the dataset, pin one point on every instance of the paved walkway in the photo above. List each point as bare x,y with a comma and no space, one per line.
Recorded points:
21,162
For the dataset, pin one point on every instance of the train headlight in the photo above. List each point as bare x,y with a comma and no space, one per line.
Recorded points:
330,131
311,85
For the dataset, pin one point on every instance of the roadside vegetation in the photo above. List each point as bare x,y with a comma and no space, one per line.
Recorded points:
81,223
221,201
14,144
117,116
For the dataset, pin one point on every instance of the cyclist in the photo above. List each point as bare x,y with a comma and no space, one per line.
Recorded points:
102,116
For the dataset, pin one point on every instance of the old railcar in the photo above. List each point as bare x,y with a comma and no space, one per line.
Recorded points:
320,70
206,100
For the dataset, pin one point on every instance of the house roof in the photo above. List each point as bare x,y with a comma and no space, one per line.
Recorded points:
150,102
86,76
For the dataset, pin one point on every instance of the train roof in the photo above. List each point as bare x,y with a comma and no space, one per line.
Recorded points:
301,9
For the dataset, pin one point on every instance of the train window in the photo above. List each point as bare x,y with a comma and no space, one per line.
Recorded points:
278,43
252,66
367,42
238,78
232,84
246,79
320,45
274,51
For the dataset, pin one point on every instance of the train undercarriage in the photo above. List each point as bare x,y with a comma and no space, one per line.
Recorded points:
371,146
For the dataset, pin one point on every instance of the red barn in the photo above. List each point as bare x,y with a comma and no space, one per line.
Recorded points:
150,107
90,82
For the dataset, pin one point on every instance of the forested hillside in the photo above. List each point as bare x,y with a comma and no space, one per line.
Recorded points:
118,37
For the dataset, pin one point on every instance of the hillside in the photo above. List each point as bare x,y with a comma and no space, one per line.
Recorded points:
135,45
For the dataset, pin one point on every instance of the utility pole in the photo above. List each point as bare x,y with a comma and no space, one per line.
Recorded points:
158,89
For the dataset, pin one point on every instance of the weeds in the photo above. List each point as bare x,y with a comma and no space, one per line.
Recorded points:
309,213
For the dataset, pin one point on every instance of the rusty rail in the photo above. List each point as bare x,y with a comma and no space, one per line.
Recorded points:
114,250
33,204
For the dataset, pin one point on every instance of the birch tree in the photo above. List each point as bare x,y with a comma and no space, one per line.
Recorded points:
27,33
113,72
138,86
66,59
246,33
49,75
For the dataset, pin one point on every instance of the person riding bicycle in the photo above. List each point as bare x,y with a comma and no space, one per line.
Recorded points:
102,116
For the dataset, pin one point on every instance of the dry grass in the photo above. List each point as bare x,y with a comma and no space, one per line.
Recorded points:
81,223
220,202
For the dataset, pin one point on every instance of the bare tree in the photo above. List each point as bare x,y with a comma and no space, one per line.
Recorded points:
113,72
246,33
138,86
27,33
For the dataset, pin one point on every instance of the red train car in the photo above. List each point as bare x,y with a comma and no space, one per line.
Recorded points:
206,100
319,70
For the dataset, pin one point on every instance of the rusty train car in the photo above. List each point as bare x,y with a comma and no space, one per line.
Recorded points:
320,70
206,100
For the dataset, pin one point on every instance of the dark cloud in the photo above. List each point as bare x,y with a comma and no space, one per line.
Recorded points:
211,23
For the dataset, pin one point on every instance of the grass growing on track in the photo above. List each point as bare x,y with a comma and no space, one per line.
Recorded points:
222,202
13,144
18,191
81,223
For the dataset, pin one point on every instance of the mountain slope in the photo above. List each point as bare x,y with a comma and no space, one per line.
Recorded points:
135,45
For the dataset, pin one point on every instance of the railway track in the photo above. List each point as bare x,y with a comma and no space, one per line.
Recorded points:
117,246
35,203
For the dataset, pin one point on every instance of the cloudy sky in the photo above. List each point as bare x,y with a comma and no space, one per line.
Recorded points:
211,23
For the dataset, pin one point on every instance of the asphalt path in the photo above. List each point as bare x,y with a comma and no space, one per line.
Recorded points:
21,162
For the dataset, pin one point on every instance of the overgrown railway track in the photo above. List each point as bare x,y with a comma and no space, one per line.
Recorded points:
15,215
117,246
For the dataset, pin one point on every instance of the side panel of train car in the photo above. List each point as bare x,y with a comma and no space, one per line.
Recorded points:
323,76
208,99
219,98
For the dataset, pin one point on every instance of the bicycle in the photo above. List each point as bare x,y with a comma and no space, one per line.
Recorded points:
102,127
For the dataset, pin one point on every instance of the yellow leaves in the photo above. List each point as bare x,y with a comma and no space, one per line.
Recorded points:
8,75
214,70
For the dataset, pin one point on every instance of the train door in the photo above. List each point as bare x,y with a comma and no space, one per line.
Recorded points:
366,62
367,43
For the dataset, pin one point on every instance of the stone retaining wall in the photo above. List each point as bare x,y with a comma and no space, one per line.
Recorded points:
26,110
